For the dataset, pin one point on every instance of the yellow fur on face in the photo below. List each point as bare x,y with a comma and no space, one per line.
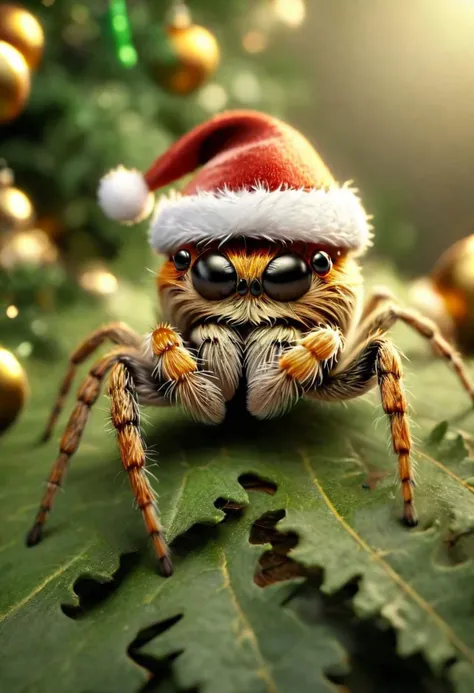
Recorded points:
331,299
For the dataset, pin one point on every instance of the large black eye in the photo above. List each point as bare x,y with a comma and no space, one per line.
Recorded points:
322,263
214,277
182,260
287,278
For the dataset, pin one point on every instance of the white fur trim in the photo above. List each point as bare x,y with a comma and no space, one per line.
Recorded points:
124,195
334,216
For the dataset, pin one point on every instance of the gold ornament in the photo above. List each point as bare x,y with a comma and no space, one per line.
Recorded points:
13,388
196,55
98,280
16,210
14,82
32,247
21,29
447,295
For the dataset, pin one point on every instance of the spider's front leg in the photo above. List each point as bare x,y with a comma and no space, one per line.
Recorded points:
378,361
184,384
286,365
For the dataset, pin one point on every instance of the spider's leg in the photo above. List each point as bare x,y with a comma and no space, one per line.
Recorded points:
384,317
288,373
378,360
116,332
126,420
86,397
220,353
184,384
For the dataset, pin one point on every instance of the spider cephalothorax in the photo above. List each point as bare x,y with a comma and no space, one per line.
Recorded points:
246,284
261,286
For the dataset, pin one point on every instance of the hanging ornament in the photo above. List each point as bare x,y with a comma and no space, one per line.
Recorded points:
13,388
16,210
32,247
447,295
21,29
192,57
14,82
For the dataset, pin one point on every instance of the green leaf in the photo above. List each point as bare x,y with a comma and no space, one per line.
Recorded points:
328,469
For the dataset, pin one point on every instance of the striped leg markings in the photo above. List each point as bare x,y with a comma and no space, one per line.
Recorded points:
126,420
86,397
118,333
394,403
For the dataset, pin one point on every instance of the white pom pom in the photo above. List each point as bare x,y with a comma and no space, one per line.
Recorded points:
124,195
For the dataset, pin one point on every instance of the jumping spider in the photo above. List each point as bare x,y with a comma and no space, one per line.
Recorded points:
247,298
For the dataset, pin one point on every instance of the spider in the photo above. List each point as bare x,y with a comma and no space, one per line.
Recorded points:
245,301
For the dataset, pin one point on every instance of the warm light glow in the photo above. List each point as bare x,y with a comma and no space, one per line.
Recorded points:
9,364
213,97
98,281
246,88
19,204
12,312
290,12
254,41
28,247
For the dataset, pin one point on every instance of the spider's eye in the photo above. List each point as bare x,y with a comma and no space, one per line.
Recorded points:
321,263
287,278
182,260
214,277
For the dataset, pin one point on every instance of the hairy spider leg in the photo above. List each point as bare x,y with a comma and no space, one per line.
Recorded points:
126,420
86,398
117,333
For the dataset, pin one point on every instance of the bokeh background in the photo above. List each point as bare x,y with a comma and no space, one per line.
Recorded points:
384,89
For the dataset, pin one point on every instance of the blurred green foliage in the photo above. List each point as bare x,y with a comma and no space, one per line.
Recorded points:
87,113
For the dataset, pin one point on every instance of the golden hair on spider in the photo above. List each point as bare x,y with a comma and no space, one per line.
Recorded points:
261,286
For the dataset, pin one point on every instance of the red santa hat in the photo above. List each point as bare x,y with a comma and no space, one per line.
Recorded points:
257,178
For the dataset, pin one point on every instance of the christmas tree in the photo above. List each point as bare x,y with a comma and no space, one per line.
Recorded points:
91,107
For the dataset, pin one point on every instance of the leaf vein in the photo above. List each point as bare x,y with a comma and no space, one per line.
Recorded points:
62,569
263,672
407,588
446,470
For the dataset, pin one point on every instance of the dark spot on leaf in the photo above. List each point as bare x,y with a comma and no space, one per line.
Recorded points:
252,482
93,591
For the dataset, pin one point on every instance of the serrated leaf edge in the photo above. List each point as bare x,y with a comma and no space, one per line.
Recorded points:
407,588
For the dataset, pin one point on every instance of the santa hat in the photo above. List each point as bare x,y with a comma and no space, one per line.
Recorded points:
258,178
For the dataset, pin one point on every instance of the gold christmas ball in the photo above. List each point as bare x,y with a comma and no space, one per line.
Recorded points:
195,56
31,247
16,210
13,388
21,29
14,82
453,279
426,298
